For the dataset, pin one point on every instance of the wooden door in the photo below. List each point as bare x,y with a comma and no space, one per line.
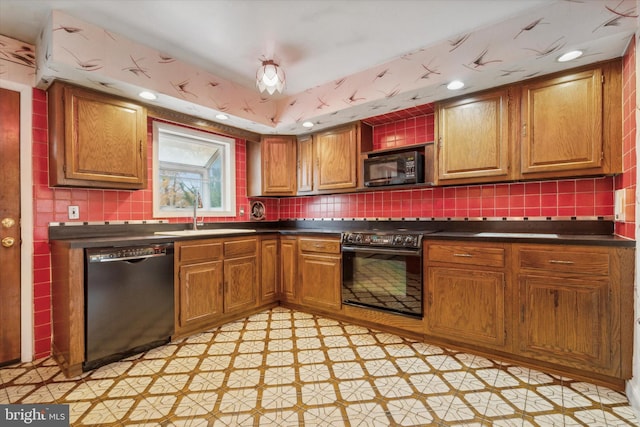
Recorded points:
269,271
200,293
473,138
336,159
320,279
467,304
305,165
562,124
240,282
10,228
288,268
279,165
565,320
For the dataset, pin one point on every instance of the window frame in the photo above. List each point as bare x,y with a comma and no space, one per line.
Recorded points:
228,145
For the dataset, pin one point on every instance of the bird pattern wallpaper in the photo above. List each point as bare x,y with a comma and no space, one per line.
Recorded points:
513,50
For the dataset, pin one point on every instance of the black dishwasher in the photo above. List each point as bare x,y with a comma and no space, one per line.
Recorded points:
128,301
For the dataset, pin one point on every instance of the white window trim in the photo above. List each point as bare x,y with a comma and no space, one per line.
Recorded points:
229,172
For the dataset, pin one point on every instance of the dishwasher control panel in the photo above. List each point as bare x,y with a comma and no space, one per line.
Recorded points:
126,253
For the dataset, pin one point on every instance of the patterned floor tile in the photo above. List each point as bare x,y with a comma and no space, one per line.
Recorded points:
288,368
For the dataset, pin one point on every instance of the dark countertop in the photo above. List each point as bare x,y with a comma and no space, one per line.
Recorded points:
596,233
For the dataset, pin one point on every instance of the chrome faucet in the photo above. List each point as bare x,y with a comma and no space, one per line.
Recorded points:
197,203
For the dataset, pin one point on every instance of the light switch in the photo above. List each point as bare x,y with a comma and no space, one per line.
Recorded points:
74,212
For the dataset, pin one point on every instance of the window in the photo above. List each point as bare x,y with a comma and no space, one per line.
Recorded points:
190,167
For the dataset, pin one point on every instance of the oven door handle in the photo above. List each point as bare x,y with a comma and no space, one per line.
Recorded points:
382,251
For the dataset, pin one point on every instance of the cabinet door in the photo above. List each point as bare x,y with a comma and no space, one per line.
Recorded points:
279,165
562,124
473,138
466,304
99,141
305,165
336,159
200,293
565,320
320,281
288,268
240,283
269,270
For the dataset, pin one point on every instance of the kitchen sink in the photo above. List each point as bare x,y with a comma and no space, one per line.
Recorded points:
206,232
525,235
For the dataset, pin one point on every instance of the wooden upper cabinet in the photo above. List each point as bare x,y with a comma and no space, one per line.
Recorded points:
473,138
96,140
278,155
336,159
562,123
305,165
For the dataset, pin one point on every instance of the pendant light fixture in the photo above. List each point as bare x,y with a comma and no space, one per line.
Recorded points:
270,77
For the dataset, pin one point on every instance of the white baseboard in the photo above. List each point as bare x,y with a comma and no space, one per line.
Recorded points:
633,394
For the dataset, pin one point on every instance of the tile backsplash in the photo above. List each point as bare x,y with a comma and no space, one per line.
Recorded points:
588,197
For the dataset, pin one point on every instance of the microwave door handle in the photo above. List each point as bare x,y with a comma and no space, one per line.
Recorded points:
383,251
379,180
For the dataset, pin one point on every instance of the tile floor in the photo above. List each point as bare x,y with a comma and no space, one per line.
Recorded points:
288,368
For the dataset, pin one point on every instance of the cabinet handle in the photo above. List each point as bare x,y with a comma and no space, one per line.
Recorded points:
524,129
558,261
463,255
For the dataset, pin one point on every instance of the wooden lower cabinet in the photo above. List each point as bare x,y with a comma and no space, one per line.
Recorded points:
269,269
240,280
320,273
214,279
288,268
200,293
567,309
575,306
466,292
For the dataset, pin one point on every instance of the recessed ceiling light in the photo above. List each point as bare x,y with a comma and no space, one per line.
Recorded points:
221,116
455,85
570,56
148,95
307,125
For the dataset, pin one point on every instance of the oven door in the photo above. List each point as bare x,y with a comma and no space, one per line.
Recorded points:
383,278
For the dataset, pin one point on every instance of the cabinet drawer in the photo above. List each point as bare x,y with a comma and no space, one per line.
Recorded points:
240,247
565,261
318,245
466,254
194,252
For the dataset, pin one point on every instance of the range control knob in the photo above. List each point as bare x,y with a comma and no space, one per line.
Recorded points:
358,238
410,241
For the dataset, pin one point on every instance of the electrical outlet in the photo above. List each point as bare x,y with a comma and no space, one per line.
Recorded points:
619,205
74,212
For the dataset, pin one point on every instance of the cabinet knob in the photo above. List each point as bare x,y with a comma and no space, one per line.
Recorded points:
7,242
8,222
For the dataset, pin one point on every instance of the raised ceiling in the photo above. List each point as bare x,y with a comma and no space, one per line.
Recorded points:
344,60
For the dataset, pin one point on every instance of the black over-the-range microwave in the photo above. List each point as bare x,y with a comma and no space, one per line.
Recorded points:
394,169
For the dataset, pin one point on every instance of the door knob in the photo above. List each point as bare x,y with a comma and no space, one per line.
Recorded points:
7,242
8,222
